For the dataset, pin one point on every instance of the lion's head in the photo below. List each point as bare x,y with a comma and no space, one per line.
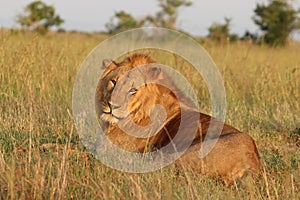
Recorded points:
132,88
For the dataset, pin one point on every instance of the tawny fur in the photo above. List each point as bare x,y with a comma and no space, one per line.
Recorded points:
231,158
234,154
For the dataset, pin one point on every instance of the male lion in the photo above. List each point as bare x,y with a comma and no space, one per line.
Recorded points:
126,102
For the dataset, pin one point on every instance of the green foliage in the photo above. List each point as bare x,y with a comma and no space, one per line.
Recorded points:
168,14
166,17
125,21
221,32
277,20
39,16
274,160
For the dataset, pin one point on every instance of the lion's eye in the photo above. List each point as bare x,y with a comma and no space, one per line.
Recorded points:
132,90
113,82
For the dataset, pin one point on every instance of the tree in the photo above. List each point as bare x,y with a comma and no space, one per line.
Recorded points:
221,32
166,17
276,20
39,16
124,22
168,14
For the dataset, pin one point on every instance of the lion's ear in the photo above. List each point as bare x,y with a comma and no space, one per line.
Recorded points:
155,73
108,66
106,63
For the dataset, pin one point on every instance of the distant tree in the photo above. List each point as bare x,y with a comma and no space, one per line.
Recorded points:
276,20
122,21
221,32
168,14
39,16
166,17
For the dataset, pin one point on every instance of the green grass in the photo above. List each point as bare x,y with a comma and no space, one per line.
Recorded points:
41,156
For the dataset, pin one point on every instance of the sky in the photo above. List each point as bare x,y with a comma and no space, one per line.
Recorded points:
92,15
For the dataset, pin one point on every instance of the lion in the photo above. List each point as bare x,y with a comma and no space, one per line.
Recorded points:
127,99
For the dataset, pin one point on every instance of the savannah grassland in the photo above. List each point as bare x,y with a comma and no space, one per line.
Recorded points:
41,156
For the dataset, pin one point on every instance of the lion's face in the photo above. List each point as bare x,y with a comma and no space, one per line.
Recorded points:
133,94
121,90
104,92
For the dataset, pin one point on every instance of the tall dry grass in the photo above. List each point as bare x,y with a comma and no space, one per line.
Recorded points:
41,156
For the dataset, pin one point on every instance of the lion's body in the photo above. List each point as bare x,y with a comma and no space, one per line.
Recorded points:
232,156
124,95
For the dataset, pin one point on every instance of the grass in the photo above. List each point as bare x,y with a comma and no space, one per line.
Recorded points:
41,156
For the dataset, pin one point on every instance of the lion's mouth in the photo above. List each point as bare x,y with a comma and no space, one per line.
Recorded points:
110,113
109,116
